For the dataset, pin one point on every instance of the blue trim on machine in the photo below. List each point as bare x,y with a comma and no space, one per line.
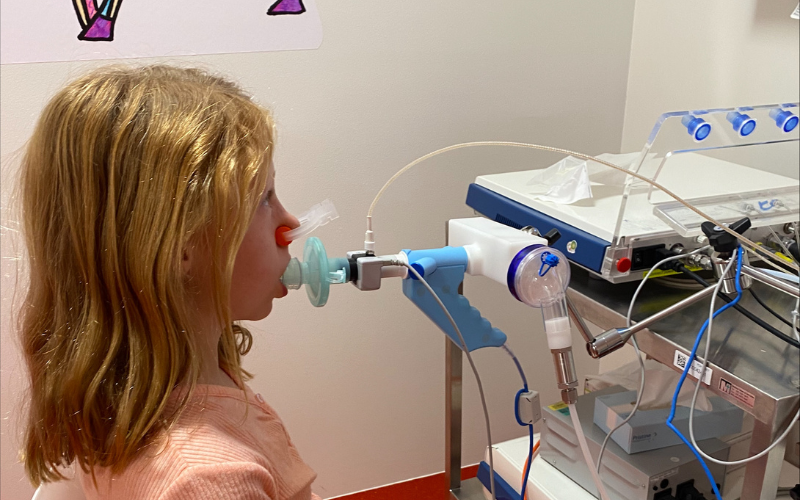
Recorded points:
502,490
590,249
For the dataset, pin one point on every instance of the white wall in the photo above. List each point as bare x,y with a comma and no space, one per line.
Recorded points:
697,55
359,382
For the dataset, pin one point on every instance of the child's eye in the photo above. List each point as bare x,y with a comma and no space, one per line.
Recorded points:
270,196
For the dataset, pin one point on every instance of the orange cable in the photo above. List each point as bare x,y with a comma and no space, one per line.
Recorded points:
535,447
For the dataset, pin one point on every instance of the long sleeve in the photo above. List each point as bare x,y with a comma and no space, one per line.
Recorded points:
228,444
228,481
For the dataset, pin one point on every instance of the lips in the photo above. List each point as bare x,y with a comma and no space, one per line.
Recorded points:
284,291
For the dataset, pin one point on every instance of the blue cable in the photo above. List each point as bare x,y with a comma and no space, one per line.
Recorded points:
520,422
688,367
530,462
530,447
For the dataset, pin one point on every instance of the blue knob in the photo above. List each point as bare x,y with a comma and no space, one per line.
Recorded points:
784,119
698,128
424,266
742,123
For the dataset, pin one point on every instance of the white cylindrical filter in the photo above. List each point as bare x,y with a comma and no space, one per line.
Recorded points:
556,324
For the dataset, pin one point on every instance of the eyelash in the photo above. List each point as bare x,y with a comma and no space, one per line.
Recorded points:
269,197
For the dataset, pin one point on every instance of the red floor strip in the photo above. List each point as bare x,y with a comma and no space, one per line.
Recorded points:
424,488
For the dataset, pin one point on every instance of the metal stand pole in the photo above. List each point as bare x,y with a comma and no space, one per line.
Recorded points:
453,381
453,396
761,476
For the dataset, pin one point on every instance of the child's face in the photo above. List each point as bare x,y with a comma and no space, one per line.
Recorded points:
260,262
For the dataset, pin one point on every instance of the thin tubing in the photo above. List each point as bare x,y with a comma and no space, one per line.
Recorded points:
471,364
694,403
768,308
531,457
690,361
518,365
638,353
582,157
601,488
796,312
530,426
795,316
752,317
528,463
787,253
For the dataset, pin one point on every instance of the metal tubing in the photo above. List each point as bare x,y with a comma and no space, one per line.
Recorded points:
771,280
566,377
578,321
613,339
641,325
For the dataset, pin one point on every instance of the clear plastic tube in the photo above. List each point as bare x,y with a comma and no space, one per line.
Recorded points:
316,216
601,488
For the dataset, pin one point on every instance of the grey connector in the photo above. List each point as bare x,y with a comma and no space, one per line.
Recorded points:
529,410
700,260
371,269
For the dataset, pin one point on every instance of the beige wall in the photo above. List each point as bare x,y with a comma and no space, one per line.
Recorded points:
359,382
695,55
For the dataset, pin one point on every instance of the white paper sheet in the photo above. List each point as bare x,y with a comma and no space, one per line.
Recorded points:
49,30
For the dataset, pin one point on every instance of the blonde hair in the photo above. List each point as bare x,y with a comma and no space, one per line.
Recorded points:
125,168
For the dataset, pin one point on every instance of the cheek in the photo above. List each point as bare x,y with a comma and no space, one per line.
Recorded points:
253,262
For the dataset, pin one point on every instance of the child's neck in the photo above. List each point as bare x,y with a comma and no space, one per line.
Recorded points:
217,377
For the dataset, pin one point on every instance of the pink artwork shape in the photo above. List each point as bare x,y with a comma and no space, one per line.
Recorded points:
283,7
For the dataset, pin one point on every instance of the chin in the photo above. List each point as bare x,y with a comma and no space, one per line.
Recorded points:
257,314
266,310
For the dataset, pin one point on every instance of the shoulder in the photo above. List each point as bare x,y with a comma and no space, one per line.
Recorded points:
230,480
223,441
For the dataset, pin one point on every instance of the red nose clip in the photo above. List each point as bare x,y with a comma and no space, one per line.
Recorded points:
280,236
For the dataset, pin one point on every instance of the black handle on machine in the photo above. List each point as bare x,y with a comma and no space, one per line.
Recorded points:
721,240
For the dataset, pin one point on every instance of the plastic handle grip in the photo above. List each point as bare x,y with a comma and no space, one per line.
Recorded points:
476,330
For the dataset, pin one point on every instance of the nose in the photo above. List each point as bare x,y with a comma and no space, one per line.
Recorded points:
288,223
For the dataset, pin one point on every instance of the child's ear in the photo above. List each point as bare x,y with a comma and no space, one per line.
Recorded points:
188,260
186,265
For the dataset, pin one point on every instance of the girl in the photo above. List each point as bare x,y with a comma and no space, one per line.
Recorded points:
149,215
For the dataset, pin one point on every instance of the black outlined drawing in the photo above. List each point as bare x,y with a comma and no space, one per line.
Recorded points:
286,7
97,23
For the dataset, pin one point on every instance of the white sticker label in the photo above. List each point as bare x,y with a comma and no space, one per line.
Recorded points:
737,392
796,13
694,371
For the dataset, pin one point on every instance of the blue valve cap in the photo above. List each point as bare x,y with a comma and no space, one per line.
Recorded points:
424,266
742,123
698,128
785,119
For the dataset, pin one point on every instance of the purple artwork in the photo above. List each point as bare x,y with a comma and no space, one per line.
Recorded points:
284,7
97,23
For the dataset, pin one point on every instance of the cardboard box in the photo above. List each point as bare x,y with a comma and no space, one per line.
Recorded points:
648,430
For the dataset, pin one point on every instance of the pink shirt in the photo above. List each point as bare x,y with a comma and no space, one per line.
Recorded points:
216,449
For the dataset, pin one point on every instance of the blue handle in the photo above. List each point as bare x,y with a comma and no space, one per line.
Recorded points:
451,264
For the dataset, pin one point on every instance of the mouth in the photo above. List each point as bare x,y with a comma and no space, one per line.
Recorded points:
284,291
